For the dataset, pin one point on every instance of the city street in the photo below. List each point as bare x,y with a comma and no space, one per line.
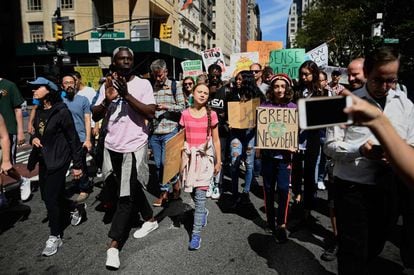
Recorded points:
234,241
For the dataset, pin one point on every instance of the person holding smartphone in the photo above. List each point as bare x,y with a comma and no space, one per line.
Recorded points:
368,192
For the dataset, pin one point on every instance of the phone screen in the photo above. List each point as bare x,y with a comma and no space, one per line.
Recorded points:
326,112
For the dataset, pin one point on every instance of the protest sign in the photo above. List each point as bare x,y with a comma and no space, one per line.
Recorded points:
213,56
319,55
242,61
242,115
264,48
192,68
287,61
172,162
277,128
90,75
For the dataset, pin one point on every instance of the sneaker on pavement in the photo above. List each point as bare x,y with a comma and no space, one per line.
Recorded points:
82,197
145,229
281,235
52,245
204,221
195,242
77,215
99,173
112,258
330,254
216,193
25,189
321,185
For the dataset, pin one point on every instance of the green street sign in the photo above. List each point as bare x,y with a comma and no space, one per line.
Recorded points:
391,40
108,35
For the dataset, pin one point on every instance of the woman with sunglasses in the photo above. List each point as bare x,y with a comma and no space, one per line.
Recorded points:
188,84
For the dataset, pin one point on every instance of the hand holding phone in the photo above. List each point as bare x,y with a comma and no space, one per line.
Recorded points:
321,112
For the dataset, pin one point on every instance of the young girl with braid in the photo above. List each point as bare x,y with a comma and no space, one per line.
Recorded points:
201,158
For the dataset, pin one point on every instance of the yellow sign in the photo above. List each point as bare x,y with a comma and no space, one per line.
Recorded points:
172,162
264,48
277,128
242,115
90,75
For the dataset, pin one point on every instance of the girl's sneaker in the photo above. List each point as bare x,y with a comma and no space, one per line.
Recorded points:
52,245
209,191
216,193
195,242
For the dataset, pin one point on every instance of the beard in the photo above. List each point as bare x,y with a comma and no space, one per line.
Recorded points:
70,93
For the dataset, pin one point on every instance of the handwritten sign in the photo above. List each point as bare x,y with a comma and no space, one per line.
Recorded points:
287,61
172,161
242,115
319,55
213,56
277,128
192,68
242,61
90,75
264,48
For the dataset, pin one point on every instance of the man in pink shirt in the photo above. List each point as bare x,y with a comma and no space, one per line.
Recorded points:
125,103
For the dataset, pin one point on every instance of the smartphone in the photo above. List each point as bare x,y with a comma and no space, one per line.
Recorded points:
321,112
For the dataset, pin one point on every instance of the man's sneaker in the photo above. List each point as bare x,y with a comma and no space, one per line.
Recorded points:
77,215
281,235
321,185
330,254
204,221
112,258
52,245
216,193
82,197
99,173
25,189
145,229
195,242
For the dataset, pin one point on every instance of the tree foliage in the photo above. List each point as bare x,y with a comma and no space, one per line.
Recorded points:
346,26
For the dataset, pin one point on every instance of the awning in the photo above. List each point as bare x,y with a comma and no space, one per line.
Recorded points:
80,47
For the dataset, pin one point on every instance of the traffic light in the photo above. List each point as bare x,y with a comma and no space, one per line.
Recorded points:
165,31
58,31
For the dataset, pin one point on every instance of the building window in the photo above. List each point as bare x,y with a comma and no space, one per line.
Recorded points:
36,31
66,4
34,5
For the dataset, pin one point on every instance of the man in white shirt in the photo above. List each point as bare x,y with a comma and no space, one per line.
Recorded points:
365,198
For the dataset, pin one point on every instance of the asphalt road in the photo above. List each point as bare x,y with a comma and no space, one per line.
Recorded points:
233,242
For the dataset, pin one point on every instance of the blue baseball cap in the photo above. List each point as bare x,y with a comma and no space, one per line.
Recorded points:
41,81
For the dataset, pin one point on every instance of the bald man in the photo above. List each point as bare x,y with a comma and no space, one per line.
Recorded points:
356,77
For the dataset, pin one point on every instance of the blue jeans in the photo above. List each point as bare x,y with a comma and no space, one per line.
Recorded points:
276,172
157,143
200,209
242,146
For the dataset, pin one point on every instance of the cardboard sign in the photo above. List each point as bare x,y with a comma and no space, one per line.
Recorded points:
90,75
192,68
172,161
277,128
264,48
242,115
242,61
287,61
319,55
213,56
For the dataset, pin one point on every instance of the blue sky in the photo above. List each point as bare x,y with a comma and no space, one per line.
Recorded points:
273,17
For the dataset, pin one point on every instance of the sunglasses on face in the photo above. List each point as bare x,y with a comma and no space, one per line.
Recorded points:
255,71
188,84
